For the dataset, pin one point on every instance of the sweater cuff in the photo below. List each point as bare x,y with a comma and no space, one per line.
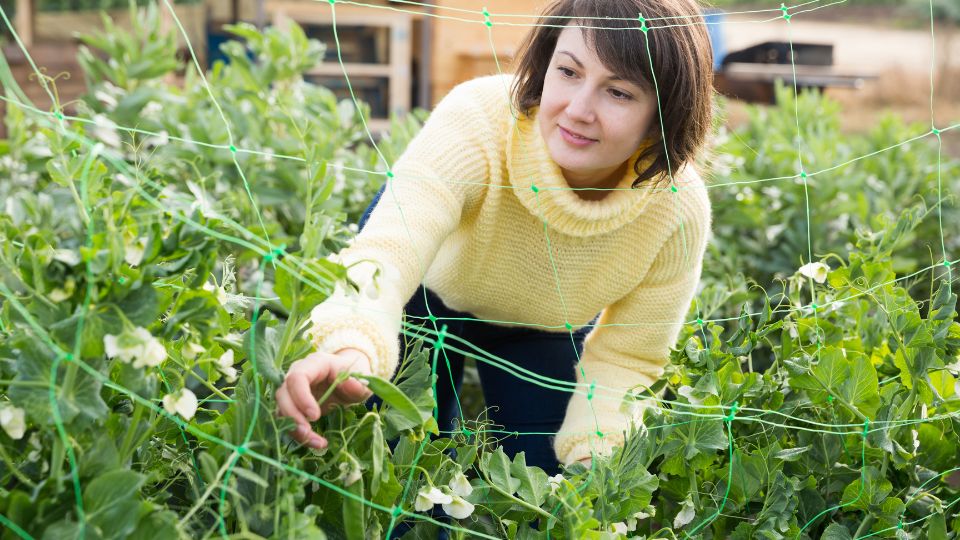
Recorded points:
575,442
573,448
361,335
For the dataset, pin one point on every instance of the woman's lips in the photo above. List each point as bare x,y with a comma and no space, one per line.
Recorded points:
574,139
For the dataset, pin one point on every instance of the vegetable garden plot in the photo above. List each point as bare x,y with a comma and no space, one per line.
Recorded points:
163,247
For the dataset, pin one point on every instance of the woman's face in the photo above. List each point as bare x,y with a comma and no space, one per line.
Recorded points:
591,120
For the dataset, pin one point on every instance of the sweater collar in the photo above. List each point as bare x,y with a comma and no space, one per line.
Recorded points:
540,186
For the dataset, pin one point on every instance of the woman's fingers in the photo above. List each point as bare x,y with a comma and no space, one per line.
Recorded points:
299,382
353,390
286,408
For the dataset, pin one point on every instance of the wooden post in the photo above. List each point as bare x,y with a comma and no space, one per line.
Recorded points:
23,23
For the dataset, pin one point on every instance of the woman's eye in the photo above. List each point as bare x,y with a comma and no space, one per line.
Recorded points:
567,72
620,95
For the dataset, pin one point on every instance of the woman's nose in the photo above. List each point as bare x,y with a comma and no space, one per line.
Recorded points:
580,107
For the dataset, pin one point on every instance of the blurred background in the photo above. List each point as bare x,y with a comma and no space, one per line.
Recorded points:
870,55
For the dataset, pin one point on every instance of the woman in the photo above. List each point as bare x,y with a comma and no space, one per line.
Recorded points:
529,204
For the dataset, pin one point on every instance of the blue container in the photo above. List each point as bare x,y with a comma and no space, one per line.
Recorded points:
715,19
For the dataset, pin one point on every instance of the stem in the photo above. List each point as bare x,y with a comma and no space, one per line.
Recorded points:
213,485
695,488
864,526
131,431
13,469
213,389
34,384
80,205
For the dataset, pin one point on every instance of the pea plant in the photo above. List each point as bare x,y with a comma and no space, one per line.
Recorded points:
155,286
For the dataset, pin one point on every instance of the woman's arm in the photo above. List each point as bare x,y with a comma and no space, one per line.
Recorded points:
631,344
443,168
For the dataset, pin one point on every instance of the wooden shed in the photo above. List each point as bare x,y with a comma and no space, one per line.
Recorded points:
398,54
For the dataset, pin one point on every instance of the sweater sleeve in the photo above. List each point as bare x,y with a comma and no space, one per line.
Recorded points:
630,346
442,169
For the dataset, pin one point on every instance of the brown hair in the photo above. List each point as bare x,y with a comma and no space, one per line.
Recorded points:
682,69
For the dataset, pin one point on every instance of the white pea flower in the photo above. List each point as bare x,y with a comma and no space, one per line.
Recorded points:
152,110
225,365
345,112
59,295
685,515
460,485
349,474
192,350
67,256
815,270
105,130
154,354
619,528
139,347
13,422
183,403
458,508
160,139
555,481
916,440
133,251
426,498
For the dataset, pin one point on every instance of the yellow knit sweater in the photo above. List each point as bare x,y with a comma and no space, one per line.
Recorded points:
479,213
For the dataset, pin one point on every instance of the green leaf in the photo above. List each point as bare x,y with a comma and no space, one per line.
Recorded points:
497,466
111,502
156,526
286,285
791,454
81,401
533,486
201,310
705,436
835,531
264,347
937,526
403,413
875,490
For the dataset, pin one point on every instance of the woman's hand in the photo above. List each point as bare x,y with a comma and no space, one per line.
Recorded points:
309,378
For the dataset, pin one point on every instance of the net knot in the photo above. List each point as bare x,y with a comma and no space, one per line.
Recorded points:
241,450
534,188
441,336
643,23
389,174
593,387
275,253
733,412
486,18
396,510
233,149
866,427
